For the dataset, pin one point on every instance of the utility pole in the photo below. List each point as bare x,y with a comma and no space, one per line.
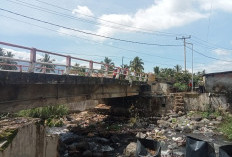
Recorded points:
184,38
192,63
122,61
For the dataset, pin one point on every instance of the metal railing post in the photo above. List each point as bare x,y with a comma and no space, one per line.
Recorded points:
68,65
90,68
31,67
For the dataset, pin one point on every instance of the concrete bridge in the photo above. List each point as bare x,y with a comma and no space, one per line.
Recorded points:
28,90
31,82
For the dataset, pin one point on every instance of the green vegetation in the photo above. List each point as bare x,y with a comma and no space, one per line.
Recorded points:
176,77
114,127
7,135
137,65
77,69
50,115
226,127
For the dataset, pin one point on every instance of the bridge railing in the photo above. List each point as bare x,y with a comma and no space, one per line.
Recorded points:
33,65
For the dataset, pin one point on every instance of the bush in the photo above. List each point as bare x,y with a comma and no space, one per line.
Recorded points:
226,127
180,87
45,112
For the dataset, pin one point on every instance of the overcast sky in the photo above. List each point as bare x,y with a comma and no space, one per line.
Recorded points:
209,22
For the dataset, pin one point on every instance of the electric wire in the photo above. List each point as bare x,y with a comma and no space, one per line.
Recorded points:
62,8
84,39
88,33
116,47
73,17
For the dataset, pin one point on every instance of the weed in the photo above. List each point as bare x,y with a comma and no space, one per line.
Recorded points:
49,115
7,135
226,127
44,112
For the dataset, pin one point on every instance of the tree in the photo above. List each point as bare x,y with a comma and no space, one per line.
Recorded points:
7,61
77,69
156,70
125,66
137,65
109,62
178,68
49,68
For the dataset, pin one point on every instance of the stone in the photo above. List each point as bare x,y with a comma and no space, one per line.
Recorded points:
172,146
141,135
186,129
83,145
87,153
180,113
196,118
178,129
205,120
97,154
114,139
212,117
72,147
151,126
219,118
130,149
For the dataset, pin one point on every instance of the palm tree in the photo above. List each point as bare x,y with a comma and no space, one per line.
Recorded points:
137,65
109,62
156,70
49,68
77,69
7,61
178,68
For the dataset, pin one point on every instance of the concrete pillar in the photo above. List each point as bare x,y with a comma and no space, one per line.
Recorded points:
90,68
68,64
31,67
107,70
118,73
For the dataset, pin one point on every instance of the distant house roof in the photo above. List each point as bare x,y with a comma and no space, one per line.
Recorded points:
218,73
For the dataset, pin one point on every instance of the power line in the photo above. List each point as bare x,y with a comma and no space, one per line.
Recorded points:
91,41
88,33
73,17
209,56
62,8
213,45
116,47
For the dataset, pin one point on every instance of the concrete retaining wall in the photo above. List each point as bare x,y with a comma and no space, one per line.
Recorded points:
31,141
201,102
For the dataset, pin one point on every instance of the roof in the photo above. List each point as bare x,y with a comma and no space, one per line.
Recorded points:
218,73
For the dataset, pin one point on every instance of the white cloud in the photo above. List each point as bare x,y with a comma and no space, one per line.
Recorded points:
221,52
225,5
82,11
217,66
161,15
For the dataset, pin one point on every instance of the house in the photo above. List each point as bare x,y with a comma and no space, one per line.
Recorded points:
218,82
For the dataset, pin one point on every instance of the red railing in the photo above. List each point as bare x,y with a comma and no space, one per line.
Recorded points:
68,68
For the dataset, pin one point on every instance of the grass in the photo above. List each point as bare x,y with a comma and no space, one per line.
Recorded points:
50,115
7,135
205,114
226,127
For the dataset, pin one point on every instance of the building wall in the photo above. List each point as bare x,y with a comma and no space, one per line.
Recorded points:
218,82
